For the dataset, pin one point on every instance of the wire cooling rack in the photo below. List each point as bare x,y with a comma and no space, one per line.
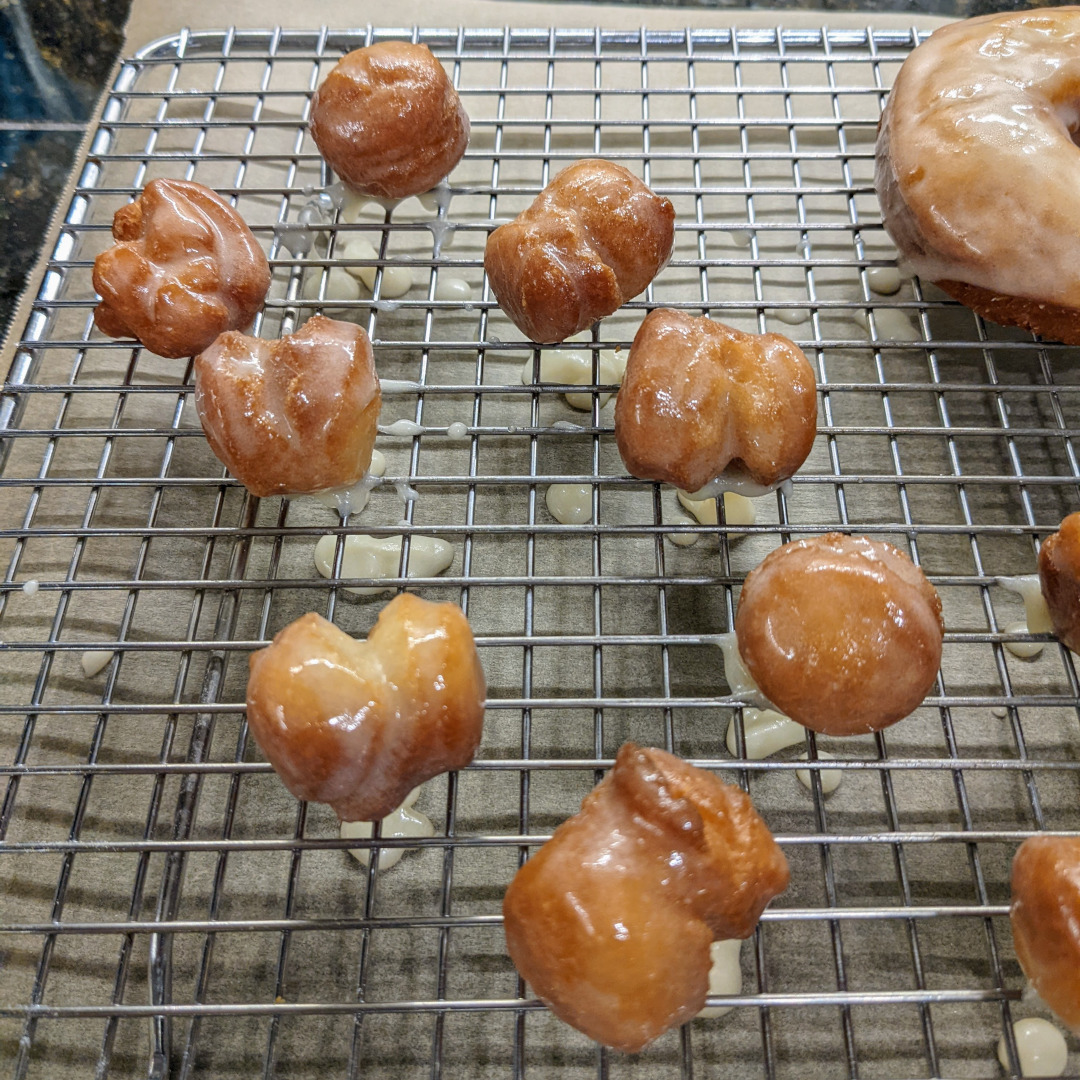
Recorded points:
166,908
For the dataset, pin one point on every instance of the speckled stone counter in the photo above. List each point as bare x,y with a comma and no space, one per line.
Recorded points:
55,58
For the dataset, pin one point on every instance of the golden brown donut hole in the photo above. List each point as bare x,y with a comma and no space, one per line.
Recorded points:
358,724
185,267
294,415
388,121
1059,578
610,922
699,396
591,240
841,633
1045,917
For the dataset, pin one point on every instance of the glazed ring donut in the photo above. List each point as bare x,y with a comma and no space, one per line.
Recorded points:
976,167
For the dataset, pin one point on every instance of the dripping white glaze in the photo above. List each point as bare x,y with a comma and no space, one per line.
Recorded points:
765,731
884,280
457,430
402,427
830,778
575,367
570,504
736,481
565,425
725,975
31,587
297,240
741,237
738,678
892,324
339,286
399,386
438,203
405,821
738,509
95,661
320,207
430,200
683,539
336,193
380,557
357,209
791,316
1040,1046
351,500
1025,650
441,233
453,288
406,491
1028,588
396,280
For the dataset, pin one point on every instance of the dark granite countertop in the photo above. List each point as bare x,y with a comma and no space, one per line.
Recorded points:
55,56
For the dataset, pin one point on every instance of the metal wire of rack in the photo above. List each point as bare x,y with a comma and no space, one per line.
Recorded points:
153,870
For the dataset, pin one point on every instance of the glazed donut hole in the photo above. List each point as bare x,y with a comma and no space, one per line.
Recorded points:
1059,581
593,239
387,119
184,268
843,634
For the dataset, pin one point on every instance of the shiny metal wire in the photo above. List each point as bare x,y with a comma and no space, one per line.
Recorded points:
132,864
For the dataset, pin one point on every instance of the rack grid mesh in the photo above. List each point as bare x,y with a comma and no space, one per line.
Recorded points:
155,877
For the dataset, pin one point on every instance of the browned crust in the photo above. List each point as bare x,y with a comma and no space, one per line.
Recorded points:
1059,578
147,285
1045,914
685,413
1055,322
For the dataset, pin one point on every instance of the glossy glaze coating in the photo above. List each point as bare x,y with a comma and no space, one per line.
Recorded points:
843,634
1045,916
610,922
1059,577
976,167
184,269
291,416
358,724
699,396
388,120
592,239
